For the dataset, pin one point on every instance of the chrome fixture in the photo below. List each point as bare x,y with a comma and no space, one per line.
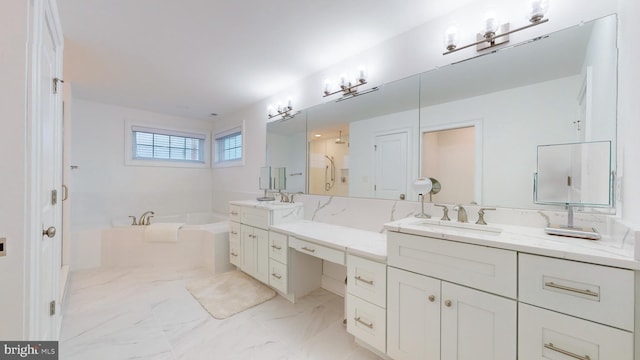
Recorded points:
281,110
481,216
145,218
462,213
329,174
340,140
493,33
445,212
347,87
133,222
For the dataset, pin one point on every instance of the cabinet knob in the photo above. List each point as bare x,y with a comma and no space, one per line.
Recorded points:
447,303
432,298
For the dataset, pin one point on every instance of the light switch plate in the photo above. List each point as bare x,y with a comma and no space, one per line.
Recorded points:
3,249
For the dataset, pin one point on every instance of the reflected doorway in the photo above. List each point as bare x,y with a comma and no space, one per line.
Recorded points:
450,156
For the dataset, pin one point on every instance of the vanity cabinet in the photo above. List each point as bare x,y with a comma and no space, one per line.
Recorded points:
249,240
448,300
366,301
573,309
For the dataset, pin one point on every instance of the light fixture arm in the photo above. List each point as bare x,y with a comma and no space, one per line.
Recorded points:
491,38
347,89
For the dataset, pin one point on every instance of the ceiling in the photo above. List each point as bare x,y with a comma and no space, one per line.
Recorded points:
192,58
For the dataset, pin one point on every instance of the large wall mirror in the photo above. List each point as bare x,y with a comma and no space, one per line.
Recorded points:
474,126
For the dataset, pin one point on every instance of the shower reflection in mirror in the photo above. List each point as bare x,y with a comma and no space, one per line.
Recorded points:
329,161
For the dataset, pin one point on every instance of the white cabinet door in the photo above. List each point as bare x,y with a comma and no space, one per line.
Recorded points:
413,316
477,325
261,238
255,252
248,250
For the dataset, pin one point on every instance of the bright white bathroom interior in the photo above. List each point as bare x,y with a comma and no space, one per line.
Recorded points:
106,188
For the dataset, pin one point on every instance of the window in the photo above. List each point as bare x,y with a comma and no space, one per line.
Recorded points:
229,147
149,146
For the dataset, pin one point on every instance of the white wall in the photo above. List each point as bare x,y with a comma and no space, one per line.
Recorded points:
105,188
628,110
14,40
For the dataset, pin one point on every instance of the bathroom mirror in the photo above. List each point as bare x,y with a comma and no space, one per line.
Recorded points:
366,146
557,88
279,178
287,150
574,174
265,178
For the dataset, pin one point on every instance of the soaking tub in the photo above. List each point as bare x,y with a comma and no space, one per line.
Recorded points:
203,240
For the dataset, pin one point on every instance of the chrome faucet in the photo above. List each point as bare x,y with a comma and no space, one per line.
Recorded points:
145,218
284,197
445,212
462,213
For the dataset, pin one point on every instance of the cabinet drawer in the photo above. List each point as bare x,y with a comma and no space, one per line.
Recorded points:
594,292
260,218
367,322
278,276
278,247
234,252
323,252
234,213
544,334
234,231
480,267
367,280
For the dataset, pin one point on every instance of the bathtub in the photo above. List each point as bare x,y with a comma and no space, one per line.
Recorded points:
203,241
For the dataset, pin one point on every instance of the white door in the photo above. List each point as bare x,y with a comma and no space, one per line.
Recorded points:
477,325
262,255
391,166
46,264
413,316
248,250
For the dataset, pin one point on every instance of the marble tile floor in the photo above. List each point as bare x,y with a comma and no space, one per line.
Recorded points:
146,313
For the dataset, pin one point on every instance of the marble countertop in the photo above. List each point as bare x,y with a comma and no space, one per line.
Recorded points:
363,243
269,205
615,251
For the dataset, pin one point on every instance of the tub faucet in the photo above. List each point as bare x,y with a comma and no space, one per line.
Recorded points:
145,218
462,213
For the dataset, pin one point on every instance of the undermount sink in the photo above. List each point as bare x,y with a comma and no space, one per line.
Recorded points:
485,229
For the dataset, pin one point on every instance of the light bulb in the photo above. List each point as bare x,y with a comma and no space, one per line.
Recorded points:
490,24
537,9
362,73
327,86
289,103
451,38
270,110
343,80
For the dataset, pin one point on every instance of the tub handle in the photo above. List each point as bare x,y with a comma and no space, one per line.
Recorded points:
134,222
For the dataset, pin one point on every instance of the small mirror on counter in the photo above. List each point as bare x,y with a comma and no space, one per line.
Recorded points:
265,183
279,179
574,174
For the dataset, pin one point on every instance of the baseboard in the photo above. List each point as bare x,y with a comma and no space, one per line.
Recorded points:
333,285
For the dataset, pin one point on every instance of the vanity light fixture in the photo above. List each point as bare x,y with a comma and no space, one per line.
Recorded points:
280,110
493,34
347,87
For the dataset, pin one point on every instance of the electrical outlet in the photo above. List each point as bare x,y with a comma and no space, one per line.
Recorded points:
3,251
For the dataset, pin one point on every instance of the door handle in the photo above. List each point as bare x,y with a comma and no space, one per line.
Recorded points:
65,192
50,232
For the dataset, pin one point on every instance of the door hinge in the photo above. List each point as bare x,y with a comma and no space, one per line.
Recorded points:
54,197
375,147
52,308
374,188
56,84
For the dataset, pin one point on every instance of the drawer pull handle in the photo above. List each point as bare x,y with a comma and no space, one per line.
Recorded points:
565,352
551,284
432,298
276,276
309,250
358,278
234,213
369,325
276,247
234,254
447,303
234,233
